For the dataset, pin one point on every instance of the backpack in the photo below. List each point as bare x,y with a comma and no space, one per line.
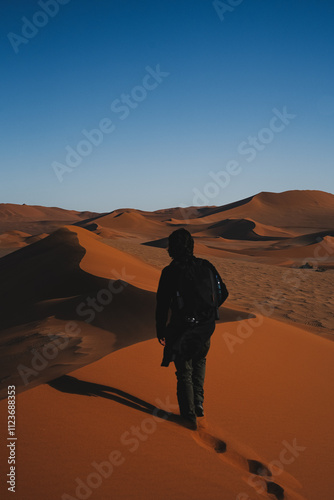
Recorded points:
199,291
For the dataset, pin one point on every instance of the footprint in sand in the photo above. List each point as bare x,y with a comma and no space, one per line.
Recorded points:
254,467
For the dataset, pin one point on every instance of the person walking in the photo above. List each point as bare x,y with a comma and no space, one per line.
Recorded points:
189,293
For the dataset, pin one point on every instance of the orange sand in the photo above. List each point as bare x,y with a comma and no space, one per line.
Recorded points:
268,429
263,398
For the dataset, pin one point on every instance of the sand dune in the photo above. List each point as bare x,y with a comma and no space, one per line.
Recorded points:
180,222
13,239
129,222
69,300
102,260
176,214
62,264
318,251
101,231
289,220
299,211
36,237
71,277
305,239
200,248
38,213
37,219
243,229
9,210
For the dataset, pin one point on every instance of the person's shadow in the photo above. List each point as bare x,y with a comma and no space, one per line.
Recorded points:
72,385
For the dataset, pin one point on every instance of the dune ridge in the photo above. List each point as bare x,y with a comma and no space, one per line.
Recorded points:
45,288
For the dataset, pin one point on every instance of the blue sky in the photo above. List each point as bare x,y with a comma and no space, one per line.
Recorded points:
210,115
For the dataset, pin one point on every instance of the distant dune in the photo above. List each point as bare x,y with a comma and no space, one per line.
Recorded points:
129,222
36,219
293,210
14,239
266,226
243,229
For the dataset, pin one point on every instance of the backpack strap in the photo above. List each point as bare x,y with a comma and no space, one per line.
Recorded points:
214,293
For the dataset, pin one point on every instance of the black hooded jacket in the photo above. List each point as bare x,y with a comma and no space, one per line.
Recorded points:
166,298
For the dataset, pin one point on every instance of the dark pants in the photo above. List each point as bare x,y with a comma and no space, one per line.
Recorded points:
190,375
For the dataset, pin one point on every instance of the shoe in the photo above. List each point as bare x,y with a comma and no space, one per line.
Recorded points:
189,421
199,410
189,424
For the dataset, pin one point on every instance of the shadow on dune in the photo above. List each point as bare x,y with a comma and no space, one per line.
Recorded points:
160,243
72,385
